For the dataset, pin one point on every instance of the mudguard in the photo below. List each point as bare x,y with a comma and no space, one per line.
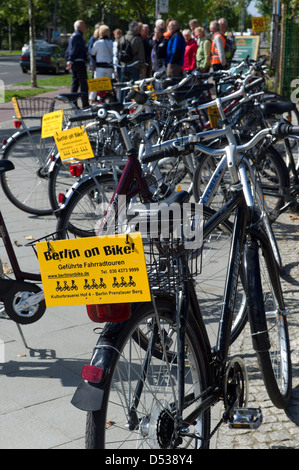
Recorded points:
255,301
88,396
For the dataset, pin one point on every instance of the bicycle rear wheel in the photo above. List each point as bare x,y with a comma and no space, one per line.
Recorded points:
149,422
27,185
86,207
269,324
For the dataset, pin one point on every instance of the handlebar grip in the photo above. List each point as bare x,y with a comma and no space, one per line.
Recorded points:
138,96
284,130
252,85
83,117
168,152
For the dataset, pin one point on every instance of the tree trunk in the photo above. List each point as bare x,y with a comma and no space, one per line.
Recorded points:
32,44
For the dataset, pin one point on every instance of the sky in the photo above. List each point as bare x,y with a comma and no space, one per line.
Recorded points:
252,10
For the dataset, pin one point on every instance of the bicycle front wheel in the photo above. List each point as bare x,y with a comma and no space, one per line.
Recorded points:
27,185
139,408
269,324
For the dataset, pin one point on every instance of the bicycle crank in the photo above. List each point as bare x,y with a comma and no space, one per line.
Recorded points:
24,302
236,396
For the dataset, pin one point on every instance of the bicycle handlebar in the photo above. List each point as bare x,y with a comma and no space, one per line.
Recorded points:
280,129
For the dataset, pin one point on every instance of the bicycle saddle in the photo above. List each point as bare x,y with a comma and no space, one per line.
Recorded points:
274,107
6,165
70,96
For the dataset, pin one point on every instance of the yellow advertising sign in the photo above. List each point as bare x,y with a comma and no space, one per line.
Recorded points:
95,270
52,123
73,144
16,107
259,23
214,116
99,84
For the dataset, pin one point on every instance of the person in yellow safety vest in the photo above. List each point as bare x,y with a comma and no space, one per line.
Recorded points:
218,58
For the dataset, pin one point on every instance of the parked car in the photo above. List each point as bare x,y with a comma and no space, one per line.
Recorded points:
49,58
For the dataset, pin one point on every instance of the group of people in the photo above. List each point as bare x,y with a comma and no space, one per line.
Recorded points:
167,48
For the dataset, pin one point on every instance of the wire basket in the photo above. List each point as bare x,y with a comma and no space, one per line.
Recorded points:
33,107
170,264
47,238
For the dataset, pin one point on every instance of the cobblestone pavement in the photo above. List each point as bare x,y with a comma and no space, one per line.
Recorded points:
280,429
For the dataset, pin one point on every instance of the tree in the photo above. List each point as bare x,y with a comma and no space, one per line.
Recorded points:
32,43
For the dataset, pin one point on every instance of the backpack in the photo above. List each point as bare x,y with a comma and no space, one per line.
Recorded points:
125,53
230,47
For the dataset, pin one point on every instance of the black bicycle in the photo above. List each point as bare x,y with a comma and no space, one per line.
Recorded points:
154,378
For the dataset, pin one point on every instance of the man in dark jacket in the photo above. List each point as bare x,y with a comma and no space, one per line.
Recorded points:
76,58
175,50
158,46
138,53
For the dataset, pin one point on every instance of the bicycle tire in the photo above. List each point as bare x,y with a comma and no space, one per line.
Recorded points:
269,325
153,426
60,181
85,207
27,185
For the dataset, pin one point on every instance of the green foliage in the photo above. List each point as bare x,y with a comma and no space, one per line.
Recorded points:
63,13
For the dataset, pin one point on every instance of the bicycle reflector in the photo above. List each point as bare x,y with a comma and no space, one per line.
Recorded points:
92,374
108,312
17,124
61,198
76,170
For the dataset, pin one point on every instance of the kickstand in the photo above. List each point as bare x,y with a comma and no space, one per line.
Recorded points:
22,335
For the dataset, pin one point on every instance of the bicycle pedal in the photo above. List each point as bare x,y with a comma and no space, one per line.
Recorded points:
246,418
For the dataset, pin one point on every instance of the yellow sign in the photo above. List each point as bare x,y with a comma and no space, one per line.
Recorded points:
259,23
95,270
99,84
16,107
52,123
214,116
73,144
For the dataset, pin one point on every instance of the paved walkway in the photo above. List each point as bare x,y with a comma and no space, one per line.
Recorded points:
37,381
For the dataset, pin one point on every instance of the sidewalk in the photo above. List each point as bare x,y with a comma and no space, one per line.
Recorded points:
38,379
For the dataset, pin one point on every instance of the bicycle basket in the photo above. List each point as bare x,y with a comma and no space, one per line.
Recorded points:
32,107
170,264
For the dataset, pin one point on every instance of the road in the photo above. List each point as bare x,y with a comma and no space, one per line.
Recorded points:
11,72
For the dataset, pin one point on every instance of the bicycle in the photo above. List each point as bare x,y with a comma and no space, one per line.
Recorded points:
31,154
22,297
159,365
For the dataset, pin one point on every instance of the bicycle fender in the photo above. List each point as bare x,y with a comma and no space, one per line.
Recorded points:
255,303
16,136
6,285
81,183
89,396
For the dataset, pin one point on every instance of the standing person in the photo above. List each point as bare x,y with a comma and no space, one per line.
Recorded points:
145,34
94,37
218,59
167,33
190,51
117,33
137,50
102,50
76,58
175,50
203,54
229,39
161,24
193,24
158,49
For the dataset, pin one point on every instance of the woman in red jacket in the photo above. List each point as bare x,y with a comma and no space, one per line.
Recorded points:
190,51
